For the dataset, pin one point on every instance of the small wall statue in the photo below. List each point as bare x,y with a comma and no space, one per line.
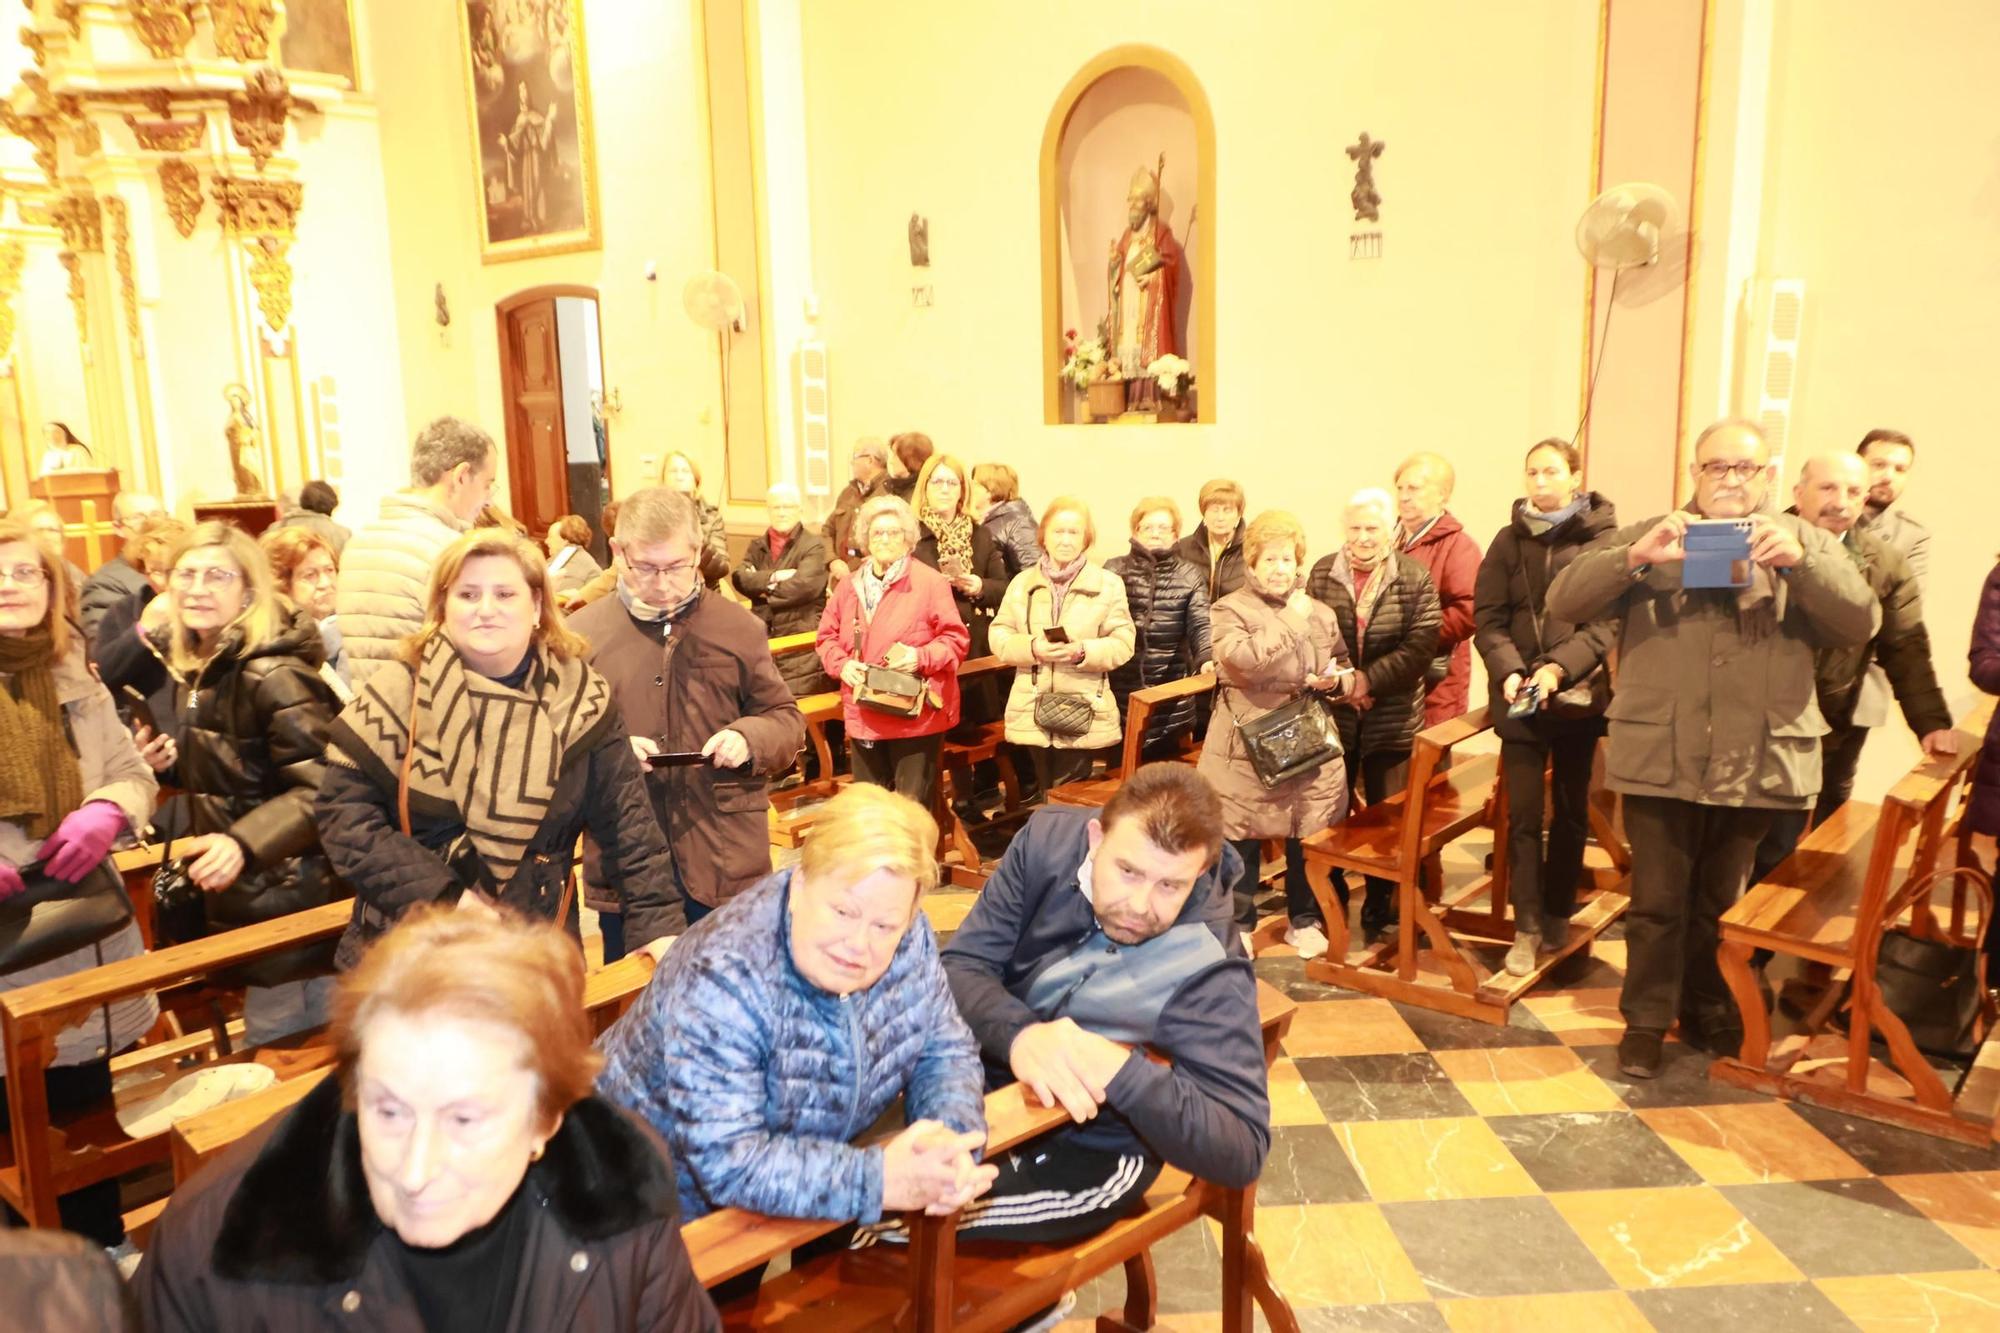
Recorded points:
246,445
1367,200
1142,278
920,241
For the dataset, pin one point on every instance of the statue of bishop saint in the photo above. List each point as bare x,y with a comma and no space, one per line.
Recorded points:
1143,278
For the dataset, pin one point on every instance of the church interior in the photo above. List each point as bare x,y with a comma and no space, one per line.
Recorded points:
250,244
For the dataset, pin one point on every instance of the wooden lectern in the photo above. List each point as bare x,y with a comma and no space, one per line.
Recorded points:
82,498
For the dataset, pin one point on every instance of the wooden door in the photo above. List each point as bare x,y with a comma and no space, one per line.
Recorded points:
537,453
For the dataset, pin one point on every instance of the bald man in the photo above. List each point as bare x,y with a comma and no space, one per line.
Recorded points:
1429,534
132,512
1833,495
1715,728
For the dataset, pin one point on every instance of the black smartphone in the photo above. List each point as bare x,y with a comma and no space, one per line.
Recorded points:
1056,634
1526,700
676,759
141,711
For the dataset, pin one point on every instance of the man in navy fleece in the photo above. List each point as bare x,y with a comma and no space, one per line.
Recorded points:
1101,934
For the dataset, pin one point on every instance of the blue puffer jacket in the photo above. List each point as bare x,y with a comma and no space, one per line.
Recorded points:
758,1079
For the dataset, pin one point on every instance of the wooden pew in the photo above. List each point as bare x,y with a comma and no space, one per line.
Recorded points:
1139,709
788,823
1401,839
1850,880
49,1158
955,760
931,1284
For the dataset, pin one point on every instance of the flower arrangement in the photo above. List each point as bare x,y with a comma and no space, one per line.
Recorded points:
1172,373
1085,360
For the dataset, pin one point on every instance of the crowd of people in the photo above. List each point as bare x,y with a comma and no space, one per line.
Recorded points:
433,713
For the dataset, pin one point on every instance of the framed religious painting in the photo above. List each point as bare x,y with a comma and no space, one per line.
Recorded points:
319,38
532,148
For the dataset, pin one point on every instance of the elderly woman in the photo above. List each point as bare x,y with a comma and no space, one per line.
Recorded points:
1389,617
245,744
1066,621
455,1172
998,507
1273,642
571,565
680,473
71,782
1523,648
1169,602
1217,548
783,576
304,565
788,1021
895,612
466,772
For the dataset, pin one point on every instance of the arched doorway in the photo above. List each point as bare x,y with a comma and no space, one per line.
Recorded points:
552,383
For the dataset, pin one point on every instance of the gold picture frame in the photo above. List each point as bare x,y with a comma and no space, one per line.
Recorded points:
533,153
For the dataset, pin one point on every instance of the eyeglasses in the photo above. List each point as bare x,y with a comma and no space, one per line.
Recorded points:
27,576
1741,471
651,572
213,577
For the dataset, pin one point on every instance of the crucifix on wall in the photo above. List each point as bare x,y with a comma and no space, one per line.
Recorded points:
1367,200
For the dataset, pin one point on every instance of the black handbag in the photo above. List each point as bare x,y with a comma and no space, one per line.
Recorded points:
1296,737
180,907
1937,986
51,917
1588,697
1064,713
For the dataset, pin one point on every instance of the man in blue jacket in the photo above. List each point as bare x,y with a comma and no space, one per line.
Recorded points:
1101,934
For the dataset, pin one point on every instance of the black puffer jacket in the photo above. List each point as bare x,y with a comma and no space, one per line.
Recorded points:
1512,587
990,564
1169,602
1402,639
1226,576
251,729
1012,524
788,606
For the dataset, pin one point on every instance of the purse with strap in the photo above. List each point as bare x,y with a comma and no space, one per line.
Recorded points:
1064,713
180,909
1298,736
52,917
1584,698
1937,986
882,690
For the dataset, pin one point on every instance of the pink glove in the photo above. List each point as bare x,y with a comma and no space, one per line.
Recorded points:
82,840
10,882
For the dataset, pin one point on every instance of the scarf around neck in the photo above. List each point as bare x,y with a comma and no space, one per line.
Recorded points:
1367,593
1060,578
954,538
870,586
1541,524
492,752
40,780
655,615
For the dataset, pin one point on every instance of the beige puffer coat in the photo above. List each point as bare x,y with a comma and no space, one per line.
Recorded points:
1097,618
1262,656
385,573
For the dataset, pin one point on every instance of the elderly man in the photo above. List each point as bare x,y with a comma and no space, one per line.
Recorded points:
1103,933
1832,494
870,466
1431,536
385,570
117,579
1714,727
692,674
783,574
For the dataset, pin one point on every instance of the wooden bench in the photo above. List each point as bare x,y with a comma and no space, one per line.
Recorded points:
1851,879
1092,793
1401,839
789,824
50,1158
932,1284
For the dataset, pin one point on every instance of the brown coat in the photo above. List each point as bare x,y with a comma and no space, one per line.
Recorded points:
1263,654
714,672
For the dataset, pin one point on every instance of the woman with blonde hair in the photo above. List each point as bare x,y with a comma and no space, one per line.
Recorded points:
517,749
246,746
679,472
455,1172
960,549
71,783
1065,620
1273,643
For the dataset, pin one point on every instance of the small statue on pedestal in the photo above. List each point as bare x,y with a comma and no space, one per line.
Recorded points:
1143,281
246,445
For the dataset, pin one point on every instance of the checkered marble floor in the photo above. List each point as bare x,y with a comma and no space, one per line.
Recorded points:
1434,1173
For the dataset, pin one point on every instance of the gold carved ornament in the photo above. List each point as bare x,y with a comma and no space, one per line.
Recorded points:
257,115
180,188
12,255
39,133
81,222
121,243
168,136
165,26
78,294
37,45
264,214
242,28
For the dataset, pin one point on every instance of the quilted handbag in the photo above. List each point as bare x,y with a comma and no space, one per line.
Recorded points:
51,918
1295,737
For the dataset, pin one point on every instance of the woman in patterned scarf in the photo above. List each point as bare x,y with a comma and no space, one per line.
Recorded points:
971,561
518,749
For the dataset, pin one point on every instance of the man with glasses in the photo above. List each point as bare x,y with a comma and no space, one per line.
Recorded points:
117,579
1714,728
703,702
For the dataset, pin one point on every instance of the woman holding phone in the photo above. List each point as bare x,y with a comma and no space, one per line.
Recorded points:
971,561
1065,622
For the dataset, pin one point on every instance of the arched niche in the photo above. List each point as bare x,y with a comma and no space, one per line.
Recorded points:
1117,114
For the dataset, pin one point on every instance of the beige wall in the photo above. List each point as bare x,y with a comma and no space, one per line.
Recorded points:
1465,337
646,95
1882,191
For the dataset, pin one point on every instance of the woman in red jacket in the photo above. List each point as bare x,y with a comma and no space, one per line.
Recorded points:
894,612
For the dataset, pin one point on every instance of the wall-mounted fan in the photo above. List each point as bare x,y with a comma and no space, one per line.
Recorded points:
714,302
1621,230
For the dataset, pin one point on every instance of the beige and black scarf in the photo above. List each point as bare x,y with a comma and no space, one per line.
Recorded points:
492,751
